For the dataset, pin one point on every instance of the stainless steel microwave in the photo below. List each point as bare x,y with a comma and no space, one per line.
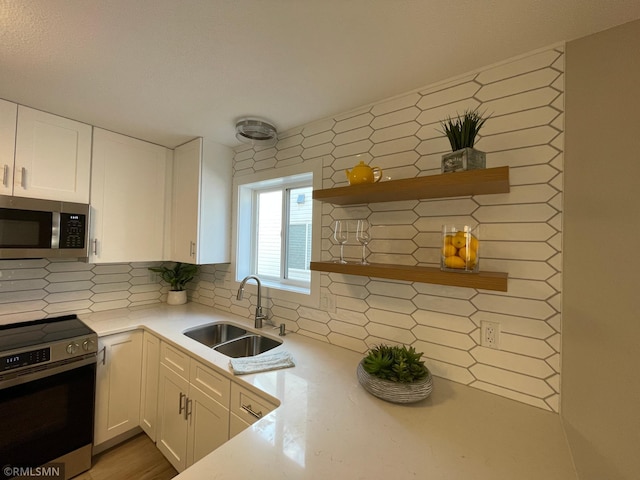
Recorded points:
33,228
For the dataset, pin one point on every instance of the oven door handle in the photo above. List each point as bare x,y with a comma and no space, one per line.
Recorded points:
51,369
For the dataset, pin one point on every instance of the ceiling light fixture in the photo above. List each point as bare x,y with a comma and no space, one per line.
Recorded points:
256,132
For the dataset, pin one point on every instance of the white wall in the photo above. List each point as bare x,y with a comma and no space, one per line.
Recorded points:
601,332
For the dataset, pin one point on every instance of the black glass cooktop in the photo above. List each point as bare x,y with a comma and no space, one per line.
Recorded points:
41,332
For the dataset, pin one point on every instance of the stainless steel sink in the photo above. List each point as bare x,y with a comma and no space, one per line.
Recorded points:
247,346
215,333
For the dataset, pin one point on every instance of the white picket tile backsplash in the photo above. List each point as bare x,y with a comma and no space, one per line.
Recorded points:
520,231
32,289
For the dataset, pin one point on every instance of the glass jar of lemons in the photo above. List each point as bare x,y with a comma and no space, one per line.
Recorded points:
460,248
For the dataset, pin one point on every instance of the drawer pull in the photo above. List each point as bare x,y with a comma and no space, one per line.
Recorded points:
249,410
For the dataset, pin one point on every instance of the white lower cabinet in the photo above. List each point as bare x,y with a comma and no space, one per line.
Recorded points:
118,377
246,408
208,425
149,387
193,408
172,432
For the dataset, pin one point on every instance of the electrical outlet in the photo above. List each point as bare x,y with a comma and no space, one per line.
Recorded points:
490,334
328,302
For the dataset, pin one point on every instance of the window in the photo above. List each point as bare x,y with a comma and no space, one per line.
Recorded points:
283,233
275,229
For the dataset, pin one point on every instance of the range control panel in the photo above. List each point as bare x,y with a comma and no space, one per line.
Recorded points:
24,359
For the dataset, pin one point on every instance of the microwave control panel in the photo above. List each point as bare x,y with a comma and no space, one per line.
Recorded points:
72,230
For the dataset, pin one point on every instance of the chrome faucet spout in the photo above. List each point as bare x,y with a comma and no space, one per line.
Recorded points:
259,317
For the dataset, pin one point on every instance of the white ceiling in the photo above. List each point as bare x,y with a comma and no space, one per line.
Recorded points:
169,70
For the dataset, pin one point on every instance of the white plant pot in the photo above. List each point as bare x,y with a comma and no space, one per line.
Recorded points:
176,297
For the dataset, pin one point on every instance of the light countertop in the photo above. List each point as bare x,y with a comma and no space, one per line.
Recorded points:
328,426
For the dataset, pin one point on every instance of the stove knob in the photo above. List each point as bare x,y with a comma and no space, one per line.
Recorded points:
72,348
88,344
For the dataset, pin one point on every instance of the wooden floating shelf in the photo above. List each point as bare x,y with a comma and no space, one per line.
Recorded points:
482,280
470,182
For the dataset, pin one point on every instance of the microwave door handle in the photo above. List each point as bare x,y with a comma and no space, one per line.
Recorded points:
55,230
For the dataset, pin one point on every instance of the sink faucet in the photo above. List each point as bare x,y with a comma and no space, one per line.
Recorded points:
259,315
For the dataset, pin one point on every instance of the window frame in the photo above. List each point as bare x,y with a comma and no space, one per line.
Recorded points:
244,235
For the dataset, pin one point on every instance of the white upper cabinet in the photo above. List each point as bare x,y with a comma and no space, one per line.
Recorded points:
52,157
130,194
201,218
8,114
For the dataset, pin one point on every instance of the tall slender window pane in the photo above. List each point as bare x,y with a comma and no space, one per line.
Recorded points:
299,229
269,241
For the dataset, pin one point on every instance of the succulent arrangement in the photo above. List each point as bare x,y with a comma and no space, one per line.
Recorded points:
462,130
178,276
395,363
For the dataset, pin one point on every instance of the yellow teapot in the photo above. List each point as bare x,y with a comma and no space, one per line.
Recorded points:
363,173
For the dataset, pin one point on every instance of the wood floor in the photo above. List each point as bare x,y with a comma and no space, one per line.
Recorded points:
137,458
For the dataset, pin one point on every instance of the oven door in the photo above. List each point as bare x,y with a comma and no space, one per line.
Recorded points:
47,414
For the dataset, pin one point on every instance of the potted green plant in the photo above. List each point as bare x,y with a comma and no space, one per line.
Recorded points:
461,132
395,373
177,277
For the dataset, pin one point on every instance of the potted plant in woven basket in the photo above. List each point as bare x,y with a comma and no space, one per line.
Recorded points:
395,374
177,277
461,132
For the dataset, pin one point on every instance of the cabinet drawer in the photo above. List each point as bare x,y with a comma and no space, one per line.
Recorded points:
175,359
247,405
210,383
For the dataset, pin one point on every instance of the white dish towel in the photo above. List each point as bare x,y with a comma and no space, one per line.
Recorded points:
261,363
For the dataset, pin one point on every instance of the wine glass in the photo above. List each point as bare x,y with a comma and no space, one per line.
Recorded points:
341,234
363,235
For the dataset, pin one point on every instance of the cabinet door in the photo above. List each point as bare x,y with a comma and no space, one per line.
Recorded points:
149,391
53,157
128,194
236,425
186,198
172,424
8,115
208,425
118,385
214,228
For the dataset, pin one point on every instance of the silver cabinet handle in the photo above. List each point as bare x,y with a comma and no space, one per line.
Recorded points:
104,355
95,246
5,176
188,408
250,411
23,180
192,249
182,405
